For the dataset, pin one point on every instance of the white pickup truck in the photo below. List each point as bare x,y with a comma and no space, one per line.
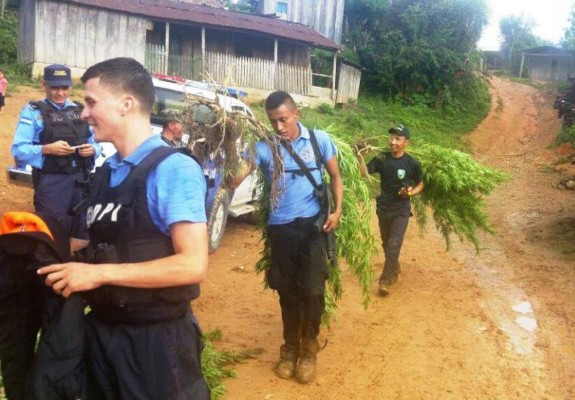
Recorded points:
171,93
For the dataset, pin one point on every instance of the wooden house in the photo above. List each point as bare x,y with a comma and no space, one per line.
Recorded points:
251,52
325,16
547,63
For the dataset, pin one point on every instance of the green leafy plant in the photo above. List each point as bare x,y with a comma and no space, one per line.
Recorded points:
215,364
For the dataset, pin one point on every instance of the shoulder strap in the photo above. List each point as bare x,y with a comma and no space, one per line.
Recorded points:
40,105
316,151
301,164
140,172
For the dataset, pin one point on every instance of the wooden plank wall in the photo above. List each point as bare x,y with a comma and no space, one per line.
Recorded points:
324,16
80,37
27,31
230,70
348,82
257,73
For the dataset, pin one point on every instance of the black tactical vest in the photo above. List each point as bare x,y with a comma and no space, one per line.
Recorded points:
66,125
122,230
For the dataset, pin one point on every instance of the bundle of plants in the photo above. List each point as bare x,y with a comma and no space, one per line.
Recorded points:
455,186
354,240
226,138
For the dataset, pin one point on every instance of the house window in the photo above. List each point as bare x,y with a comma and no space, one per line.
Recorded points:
281,9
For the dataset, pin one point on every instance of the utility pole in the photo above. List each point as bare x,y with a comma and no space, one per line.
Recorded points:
2,8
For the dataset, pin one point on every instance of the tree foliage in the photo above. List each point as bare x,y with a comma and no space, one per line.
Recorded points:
8,37
517,33
415,47
568,41
244,6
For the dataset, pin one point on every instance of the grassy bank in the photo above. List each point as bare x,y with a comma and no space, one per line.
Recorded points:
371,117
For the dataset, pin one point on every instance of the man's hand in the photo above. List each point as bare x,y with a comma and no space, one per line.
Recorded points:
59,148
69,278
331,222
406,192
86,150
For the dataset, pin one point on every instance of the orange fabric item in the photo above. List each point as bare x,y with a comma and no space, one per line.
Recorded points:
22,221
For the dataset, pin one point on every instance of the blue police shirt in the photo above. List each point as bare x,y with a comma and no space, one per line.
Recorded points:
297,199
26,148
176,187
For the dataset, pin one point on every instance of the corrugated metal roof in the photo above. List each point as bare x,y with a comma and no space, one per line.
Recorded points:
549,50
215,18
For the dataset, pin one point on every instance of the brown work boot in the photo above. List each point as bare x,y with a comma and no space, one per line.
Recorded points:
384,288
305,371
285,368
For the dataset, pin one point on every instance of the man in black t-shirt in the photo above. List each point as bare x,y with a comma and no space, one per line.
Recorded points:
401,178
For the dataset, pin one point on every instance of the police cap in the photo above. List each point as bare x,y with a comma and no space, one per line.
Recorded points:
57,75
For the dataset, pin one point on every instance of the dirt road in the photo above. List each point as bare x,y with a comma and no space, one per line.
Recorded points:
498,325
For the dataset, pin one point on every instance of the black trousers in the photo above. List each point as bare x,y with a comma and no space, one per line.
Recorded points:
298,272
156,361
392,226
19,326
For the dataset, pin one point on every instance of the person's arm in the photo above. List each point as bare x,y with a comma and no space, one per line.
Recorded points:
411,191
235,178
361,164
337,192
26,135
187,266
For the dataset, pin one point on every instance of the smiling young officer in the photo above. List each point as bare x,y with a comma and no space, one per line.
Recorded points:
400,179
59,146
148,249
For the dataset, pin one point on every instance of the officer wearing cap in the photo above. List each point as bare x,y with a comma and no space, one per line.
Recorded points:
59,146
400,179
173,127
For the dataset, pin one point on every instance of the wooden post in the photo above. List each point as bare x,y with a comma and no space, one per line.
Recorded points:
203,73
167,44
3,7
522,63
275,63
334,75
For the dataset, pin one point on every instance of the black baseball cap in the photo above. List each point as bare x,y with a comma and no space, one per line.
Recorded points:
400,130
57,75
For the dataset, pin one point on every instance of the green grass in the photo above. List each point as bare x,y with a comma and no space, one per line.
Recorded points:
567,135
17,74
372,117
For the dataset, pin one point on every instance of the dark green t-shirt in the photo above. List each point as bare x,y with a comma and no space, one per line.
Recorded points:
395,173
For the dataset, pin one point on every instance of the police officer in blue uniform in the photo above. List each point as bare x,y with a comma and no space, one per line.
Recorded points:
148,249
172,127
299,267
52,138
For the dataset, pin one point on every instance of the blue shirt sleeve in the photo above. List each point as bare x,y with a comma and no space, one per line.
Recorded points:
177,192
326,146
25,147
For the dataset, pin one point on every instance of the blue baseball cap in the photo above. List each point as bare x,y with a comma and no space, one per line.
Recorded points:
57,75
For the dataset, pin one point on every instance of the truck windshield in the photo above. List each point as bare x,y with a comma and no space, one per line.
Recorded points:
166,98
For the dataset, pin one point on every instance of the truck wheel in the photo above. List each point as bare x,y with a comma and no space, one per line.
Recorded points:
217,219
